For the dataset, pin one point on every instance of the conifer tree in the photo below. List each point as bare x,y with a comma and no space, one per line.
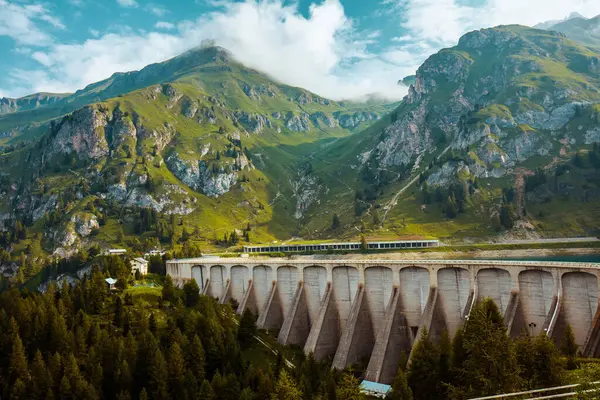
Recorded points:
176,370
18,361
247,328
423,369
206,391
548,368
191,292
286,388
490,366
157,375
400,388
143,394
445,357
196,358
569,347
168,290
40,376
335,222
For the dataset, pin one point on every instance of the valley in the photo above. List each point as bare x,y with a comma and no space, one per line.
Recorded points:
497,140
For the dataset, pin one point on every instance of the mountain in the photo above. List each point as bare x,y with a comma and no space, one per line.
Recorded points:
32,102
488,131
204,139
548,24
583,30
496,137
202,66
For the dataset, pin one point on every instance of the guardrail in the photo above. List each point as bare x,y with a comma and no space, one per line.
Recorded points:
507,263
527,395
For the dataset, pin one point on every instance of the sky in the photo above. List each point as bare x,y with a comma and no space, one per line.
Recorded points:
340,49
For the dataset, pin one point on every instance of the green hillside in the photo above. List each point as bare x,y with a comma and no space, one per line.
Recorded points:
479,120
583,30
497,138
219,147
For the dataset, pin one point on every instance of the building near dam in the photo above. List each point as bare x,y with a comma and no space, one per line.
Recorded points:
342,246
357,309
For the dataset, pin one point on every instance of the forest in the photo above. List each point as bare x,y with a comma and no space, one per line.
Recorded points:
161,342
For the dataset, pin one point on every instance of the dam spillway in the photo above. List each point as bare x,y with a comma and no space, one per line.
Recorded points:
372,311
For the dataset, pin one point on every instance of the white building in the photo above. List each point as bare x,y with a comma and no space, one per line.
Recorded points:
155,252
139,264
115,252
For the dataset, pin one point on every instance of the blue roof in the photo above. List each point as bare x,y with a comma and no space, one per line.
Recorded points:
111,281
375,387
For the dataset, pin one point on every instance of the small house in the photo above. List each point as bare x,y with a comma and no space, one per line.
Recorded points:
110,284
139,264
115,252
375,389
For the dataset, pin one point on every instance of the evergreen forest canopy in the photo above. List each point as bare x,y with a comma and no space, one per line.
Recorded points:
84,341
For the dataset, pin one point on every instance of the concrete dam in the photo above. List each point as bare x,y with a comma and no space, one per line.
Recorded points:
373,311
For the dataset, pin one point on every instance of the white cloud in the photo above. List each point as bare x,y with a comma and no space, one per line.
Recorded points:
94,32
127,3
442,22
21,23
157,10
323,53
164,25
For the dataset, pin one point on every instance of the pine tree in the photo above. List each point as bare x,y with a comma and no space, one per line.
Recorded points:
196,358
423,369
247,329
335,222
348,389
157,375
176,370
569,348
118,319
40,376
143,394
525,351
445,357
548,368
168,290
18,361
191,292
286,388
400,388
491,364
364,245
206,391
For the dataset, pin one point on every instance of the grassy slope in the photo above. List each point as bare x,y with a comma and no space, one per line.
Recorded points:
562,68
265,202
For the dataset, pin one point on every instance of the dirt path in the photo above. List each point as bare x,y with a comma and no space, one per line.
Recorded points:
394,201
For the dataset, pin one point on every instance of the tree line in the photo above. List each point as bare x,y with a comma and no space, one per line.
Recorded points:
84,342
482,360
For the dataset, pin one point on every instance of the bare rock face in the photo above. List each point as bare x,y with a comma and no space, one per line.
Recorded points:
405,139
189,108
253,123
82,133
298,123
84,223
320,119
306,189
197,175
352,121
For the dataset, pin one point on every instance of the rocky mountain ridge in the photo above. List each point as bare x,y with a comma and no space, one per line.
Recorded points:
218,132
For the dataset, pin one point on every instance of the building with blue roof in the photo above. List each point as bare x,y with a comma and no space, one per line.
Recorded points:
375,389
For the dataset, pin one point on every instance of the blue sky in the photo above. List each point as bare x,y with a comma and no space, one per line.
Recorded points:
336,48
